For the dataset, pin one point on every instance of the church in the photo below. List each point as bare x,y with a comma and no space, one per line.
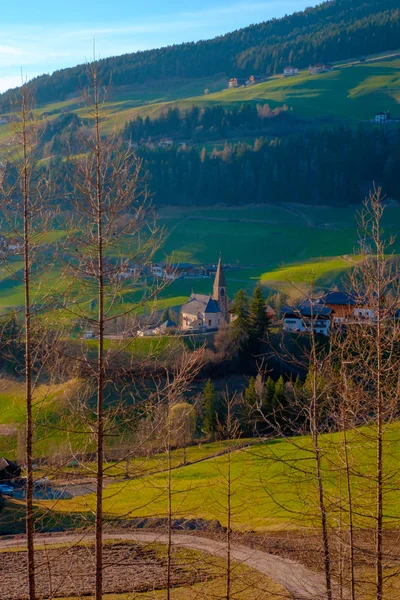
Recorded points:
207,312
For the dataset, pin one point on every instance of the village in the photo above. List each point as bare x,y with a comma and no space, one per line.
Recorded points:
208,313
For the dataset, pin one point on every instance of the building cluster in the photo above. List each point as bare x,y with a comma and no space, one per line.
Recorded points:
334,309
167,271
9,246
382,118
320,68
236,82
289,71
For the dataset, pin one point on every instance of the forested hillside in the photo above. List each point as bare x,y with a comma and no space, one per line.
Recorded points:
335,167
332,31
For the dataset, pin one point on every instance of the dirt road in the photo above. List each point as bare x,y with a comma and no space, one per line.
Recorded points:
300,581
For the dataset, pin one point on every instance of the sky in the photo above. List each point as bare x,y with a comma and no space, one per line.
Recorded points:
42,36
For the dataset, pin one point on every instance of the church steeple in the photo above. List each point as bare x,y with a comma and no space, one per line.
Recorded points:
219,291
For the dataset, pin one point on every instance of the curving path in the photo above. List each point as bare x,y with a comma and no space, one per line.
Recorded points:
301,582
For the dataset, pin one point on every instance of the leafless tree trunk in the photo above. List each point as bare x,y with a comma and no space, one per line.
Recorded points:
26,167
314,426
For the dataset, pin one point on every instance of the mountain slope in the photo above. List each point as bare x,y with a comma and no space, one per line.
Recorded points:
334,30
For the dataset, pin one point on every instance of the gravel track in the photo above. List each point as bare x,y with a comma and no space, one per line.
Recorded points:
301,582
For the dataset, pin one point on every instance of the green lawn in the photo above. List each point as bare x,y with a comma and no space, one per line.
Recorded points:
271,244
293,279
272,485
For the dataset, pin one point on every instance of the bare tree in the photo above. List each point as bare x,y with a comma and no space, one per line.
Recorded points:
111,207
26,214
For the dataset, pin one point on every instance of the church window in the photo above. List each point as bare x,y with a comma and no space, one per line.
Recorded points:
222,292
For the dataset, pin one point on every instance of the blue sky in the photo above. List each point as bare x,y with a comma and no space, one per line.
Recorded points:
44,35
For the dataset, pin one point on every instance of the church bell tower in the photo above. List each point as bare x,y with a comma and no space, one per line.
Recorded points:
219,292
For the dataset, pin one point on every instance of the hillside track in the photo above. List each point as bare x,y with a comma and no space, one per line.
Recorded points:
301,582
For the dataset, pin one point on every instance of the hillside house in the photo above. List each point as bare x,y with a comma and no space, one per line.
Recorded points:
347,308
307,317
253,79
341,304
320,68
181,270
204,312
165,143
158,270
235,82
382,117
290,71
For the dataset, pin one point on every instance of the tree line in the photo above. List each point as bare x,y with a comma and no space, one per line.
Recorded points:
212,122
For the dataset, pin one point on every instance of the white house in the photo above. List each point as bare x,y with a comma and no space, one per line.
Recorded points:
290,71
306,318
320,68
157,271
382,117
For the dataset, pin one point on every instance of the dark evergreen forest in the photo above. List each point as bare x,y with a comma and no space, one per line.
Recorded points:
332,31
318,167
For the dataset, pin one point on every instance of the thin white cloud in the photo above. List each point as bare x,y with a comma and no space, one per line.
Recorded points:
8,51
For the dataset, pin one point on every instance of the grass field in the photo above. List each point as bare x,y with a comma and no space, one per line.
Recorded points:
274,245
271,485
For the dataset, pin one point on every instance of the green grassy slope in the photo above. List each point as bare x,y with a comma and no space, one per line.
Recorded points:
353,91
271,484
262,243
350,92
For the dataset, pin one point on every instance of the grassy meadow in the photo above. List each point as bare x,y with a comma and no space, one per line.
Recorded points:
271,482
275,245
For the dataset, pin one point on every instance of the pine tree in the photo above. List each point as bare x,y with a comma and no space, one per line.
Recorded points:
251,402
258,319
280,393
269,396
210,421
240,327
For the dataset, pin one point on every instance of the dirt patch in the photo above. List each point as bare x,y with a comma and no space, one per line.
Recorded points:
128,567
307,547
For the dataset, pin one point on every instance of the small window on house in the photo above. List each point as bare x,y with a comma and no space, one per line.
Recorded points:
209,322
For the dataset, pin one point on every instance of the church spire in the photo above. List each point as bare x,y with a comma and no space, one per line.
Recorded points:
219,291
220,281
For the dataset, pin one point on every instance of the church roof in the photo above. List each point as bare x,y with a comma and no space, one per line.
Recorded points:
200,303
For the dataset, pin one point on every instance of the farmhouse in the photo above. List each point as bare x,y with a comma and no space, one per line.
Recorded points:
207,312
347,308
382,117
307,317
235,82
290,71
320,68
253,79
341,304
